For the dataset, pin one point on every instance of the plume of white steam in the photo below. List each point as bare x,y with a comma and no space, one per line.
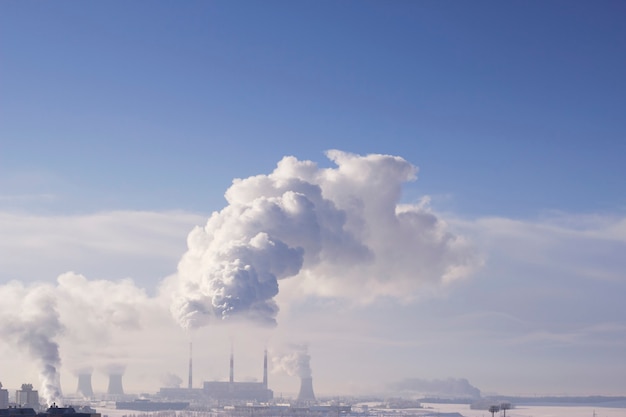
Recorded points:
297,363
114,369
34,317
449,387
30,320
171,380
341,230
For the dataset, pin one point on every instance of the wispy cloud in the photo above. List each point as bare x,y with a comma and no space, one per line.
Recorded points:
117,244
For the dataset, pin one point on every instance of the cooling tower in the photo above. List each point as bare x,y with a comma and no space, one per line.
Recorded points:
306,390
115,385
84,385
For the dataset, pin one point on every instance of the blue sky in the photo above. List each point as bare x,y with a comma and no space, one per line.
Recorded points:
128,121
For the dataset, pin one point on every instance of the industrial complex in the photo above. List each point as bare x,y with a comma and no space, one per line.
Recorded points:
231,394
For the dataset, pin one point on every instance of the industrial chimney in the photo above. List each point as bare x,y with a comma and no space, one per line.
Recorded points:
115,384
306,390
265,369
232,367
190,385
84,385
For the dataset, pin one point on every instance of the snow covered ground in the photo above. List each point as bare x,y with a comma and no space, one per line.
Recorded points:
464,409
533,411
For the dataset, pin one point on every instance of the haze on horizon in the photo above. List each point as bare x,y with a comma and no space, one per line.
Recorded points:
416,192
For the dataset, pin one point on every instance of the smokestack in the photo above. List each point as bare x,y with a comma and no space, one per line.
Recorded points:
84,385
232,366
265,370
190,369
306,390
115,384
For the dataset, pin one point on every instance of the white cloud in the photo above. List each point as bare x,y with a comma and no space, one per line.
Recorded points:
111,245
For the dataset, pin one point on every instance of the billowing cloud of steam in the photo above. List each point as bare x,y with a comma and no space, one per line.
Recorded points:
451,388
170,380
296,363
30,320
340,230
35,317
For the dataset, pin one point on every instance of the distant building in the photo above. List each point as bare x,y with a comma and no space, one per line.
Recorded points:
56,411
17,412
4,397
27,397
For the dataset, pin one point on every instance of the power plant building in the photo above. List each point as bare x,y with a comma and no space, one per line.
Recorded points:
27,397
226,390
239,391
4,397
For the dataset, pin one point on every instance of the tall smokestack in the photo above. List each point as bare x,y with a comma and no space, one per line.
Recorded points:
115,384
84,385
306,390
190,369
265,370
232,366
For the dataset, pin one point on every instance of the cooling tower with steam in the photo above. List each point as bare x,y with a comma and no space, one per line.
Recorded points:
115,384
84,385
306,390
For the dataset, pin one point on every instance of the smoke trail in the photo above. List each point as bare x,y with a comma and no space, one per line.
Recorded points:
439,387
34,317
170,380
297,363
341,230
35,328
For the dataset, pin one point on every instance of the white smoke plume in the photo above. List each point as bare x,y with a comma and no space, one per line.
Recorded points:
171,380
35,317
450,387
30,319
114,369
340,230
297,363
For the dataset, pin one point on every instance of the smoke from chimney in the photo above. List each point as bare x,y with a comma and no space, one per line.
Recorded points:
297,363
34,324
320,224
450,387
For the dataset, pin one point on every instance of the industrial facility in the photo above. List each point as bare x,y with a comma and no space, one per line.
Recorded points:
223,391
228,395
4,397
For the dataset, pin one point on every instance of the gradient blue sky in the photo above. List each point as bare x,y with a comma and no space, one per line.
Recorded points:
513,111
